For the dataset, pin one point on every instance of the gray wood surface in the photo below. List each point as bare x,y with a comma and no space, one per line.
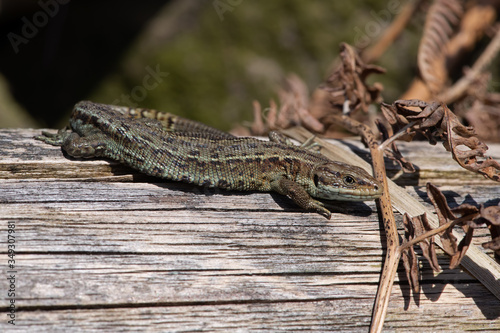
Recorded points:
100,247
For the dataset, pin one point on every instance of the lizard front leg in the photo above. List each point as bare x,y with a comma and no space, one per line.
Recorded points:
299,195
75,145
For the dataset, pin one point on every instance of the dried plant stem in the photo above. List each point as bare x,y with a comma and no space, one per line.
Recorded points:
424,236
396,136
461,86
436,231
390,34
393,253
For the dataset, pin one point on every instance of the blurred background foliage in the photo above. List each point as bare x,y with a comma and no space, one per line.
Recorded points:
211,58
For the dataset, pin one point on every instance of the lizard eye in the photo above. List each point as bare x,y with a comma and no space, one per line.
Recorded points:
316,180
349,180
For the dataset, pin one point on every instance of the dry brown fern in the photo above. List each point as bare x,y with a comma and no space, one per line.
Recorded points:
442,17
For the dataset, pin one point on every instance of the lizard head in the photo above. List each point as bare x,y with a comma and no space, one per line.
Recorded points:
339,181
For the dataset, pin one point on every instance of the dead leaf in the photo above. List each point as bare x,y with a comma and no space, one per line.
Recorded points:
347,84
462,247
410,264
409,257
494,244
492,214
436,120
421,226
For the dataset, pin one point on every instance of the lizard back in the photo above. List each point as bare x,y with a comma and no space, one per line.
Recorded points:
202,158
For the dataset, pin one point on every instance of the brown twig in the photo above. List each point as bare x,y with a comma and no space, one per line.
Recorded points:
393,253
434,232
461,86
374,52
396,136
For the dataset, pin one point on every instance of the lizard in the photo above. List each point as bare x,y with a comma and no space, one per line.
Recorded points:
171,147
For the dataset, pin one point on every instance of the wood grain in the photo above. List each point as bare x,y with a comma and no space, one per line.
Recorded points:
100,247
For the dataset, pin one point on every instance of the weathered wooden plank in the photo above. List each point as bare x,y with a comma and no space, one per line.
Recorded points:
337,315
340,314
180,231
162,256
112,278
23,157
59,203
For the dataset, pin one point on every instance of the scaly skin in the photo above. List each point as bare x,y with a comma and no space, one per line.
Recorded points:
171,147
